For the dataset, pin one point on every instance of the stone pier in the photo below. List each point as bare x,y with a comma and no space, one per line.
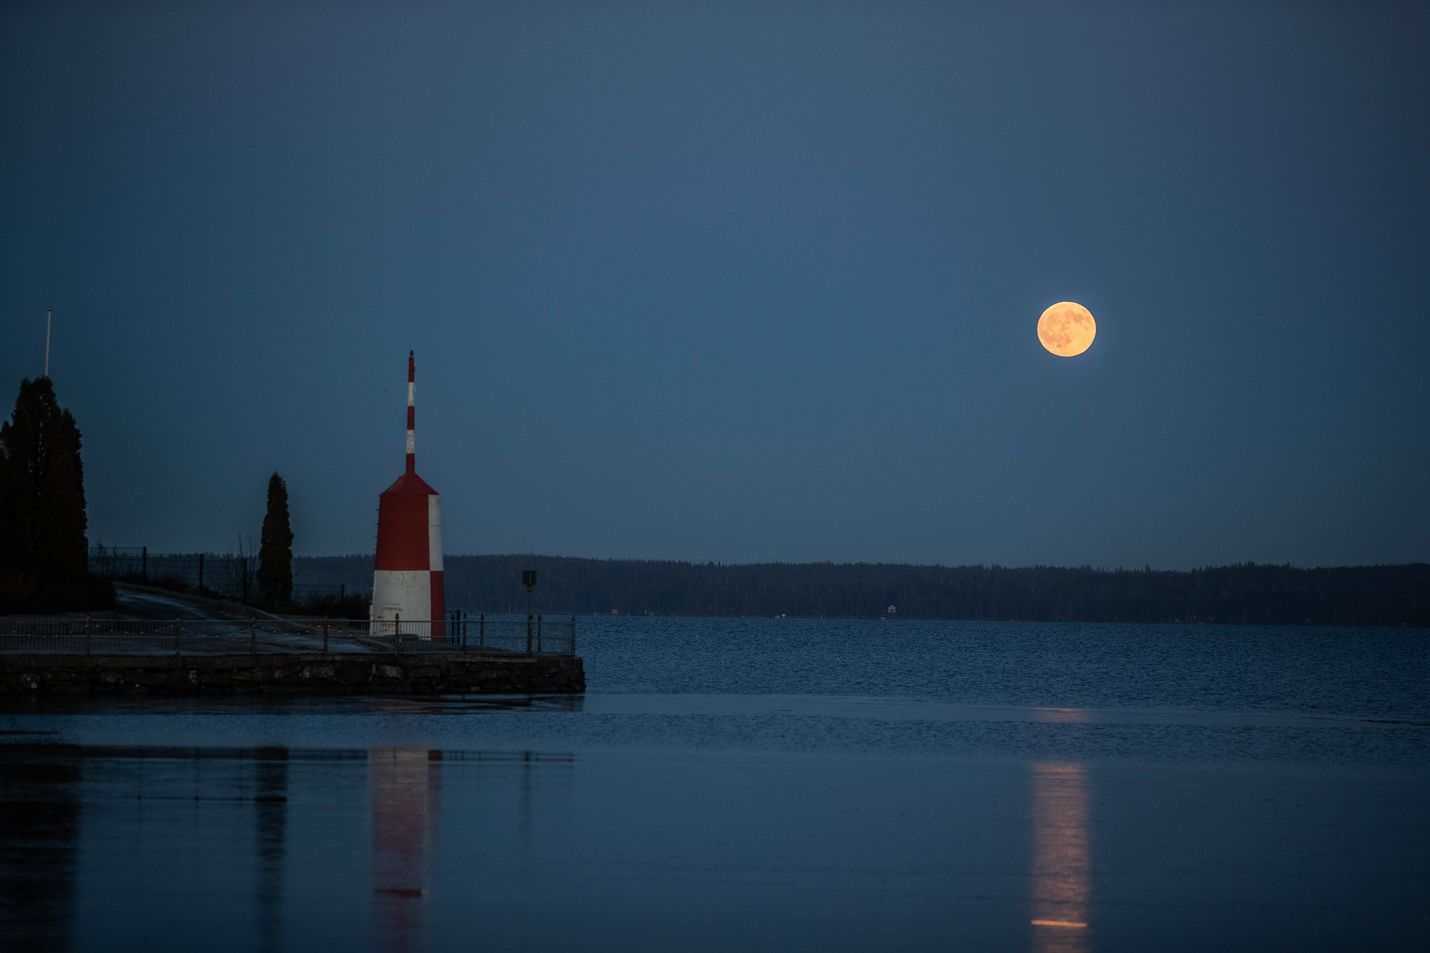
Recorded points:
431,674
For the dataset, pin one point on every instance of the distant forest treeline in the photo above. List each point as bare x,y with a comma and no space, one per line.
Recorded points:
1244,593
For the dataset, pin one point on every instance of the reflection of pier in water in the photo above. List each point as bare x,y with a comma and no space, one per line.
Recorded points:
1062,858
240,842
39,833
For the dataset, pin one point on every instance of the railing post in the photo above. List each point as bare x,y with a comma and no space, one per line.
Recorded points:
481,630
397,633
252,636
325,636
528,633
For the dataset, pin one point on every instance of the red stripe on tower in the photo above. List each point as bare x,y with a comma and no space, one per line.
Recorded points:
407,583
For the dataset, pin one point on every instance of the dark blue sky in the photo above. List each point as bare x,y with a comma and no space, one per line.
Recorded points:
734,281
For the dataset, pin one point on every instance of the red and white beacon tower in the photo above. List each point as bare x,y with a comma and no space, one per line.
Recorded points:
407,583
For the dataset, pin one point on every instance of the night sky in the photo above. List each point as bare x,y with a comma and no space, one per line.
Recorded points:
734,281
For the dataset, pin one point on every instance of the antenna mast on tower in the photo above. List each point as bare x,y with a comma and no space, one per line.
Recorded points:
411,412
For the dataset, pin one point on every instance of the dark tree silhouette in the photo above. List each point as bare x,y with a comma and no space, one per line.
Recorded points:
43,550
275,547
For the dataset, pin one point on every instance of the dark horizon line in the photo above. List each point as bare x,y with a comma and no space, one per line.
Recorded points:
1084,567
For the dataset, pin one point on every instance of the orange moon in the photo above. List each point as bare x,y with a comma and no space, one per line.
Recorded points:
1066,329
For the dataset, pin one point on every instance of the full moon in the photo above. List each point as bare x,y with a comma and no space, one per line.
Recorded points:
1067,329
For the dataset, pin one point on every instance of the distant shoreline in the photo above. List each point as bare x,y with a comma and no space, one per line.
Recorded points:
1391,596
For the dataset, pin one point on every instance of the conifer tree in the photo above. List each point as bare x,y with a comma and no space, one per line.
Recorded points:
43,549
275,547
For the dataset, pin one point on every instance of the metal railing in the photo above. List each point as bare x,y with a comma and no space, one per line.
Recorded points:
274,636
520,635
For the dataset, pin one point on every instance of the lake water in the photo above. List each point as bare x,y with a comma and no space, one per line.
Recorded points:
757,784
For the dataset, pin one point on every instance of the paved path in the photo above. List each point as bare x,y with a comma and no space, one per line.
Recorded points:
151,622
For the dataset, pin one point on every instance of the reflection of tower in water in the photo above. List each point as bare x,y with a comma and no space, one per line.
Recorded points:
1062,859
270,800
405,789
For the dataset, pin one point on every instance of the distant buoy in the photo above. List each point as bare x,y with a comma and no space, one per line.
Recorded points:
407,581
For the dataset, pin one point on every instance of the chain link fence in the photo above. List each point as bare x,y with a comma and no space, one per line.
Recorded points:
222,574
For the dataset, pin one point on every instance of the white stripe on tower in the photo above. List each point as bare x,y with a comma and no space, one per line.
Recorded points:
434,533
411,412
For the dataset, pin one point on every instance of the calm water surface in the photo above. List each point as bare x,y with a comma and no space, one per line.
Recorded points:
762,784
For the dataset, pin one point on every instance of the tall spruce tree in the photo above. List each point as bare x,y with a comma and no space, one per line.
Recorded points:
43,549
275,547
